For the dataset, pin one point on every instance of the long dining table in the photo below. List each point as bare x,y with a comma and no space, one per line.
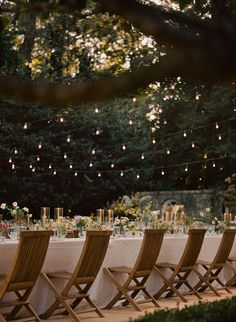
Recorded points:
63,255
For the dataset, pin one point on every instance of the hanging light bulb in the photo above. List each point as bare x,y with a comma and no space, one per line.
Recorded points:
193,145
97,132
90,164
25,127
123,147
76,173
138,176
112,165
168,151
15,151
13,166
33,169
130,122
61,119
50,166
93,151
217,125
162,172
96,110
40,146
54,172
10,160
31,166
38,158
186,169
65,155
142,157
205,166
165,122
185,134
213,164
200,179
71,166
121,173
68,139
153,141
99,174
219,137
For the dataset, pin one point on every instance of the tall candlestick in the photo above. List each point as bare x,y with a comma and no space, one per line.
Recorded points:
110,215
100,215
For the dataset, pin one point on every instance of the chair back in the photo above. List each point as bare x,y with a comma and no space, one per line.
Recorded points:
149,252
28,261
192,248
225,247
92,256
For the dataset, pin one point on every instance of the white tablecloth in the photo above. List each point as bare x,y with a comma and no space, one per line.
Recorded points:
63,255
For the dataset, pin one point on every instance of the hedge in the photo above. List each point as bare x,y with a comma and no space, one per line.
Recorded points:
224,310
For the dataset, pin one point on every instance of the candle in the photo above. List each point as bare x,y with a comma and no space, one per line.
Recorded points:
109,216
100,215
58,212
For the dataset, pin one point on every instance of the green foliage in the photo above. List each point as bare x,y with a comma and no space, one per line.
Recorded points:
205,312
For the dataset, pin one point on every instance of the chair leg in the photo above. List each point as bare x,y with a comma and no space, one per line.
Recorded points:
93,305
204,280
33,312
149,295
121,291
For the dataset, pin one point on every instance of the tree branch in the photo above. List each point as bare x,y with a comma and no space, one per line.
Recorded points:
199,65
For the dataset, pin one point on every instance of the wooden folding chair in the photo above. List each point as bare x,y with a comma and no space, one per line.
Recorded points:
214,267
181,271
22,276
138,275
86,270
229,263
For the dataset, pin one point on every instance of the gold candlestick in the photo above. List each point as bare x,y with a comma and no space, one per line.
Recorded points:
58,212
45,214
110,215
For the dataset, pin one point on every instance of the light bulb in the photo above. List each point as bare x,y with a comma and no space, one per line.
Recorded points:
217,125
31,166
122,174
96,110
167,151
99,174
193,145
25,127
40,146
65,156
76,174
15,151
68,139
10,160
214,165
90,164
186,169
130,122
142,157
61,119
54,172
185,134
97,132
219,137
50,166
123,147
13,166
93,151
71,166
153,141
138,176
112,165
38,158
162,172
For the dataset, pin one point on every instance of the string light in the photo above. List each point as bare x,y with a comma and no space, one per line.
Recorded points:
200,179
121,173
123,147
90,164
40,146
219,137
214,165
193,145
93,151
15,151
25,127
33,169
31,166
68,139
186,169
38,158
76,173
217,125
165,122
54,172
50,166
168,151
185,134
130,122
61,119
97,132
138,176
112,165
65,156
71,166
162,172
13,166
10,160
153,141
142,157
99,174
96,110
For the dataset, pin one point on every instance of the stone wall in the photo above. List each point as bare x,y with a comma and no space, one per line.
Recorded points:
194,201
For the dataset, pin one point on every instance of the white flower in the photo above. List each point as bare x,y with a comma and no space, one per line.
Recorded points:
25,209
216,219
14,204
3,206
201,214
14,212
117,221
208,209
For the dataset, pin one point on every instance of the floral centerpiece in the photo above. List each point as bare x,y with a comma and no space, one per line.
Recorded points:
126,207
81,222
20,215
121,225
3,229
